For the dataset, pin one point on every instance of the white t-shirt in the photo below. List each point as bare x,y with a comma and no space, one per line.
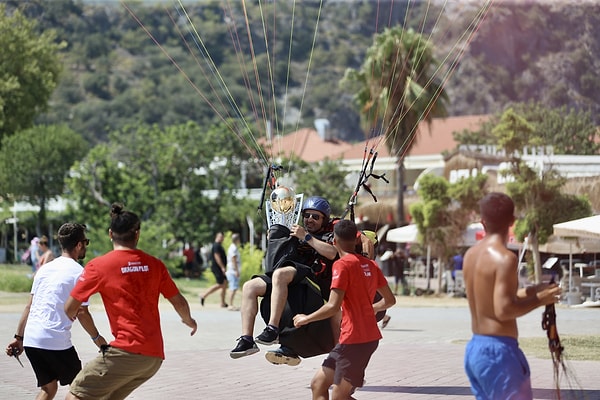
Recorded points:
48,327
232,251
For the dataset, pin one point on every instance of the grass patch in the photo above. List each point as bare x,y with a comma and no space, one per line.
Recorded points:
581,348
192,287
15,278
584,348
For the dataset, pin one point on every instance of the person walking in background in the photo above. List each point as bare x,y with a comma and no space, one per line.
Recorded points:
35,254
398,264
190,259
494,363
457,264
218,266
355,281
46,253
44,330
234,268
130,282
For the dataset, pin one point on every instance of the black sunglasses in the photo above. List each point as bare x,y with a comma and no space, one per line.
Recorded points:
307,215
86,241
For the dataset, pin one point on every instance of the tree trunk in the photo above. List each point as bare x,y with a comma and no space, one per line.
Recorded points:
441,271
41,222
535,252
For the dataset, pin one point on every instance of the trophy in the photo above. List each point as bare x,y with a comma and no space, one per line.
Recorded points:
283,207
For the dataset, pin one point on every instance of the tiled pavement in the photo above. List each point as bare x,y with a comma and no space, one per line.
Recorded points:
420,357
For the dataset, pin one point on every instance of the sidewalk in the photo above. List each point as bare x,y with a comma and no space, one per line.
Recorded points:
420,357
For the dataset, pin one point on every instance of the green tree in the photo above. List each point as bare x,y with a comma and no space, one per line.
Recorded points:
536,193
326,179
182,180
396,86
35,162
568,131
444,212
29,70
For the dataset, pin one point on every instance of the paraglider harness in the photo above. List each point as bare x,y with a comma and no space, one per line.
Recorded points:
306,293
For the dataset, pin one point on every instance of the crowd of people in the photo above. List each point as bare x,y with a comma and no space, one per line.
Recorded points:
322,292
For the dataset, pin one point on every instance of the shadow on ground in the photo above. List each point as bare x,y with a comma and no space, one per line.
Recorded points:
540,394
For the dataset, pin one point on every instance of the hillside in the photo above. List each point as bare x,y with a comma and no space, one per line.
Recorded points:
210,61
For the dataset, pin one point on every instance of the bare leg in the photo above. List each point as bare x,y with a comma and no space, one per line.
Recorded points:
232,296
251,291
47,391
320,383
341,391
281,279
223,293
212,289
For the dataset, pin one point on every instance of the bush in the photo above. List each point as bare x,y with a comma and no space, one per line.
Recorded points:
15,281
252,258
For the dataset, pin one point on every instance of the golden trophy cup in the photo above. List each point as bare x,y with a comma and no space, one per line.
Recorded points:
283,207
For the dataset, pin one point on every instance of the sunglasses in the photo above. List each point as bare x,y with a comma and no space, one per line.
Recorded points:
315,217
86,241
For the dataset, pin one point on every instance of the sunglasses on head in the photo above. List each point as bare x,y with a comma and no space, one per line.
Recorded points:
308,215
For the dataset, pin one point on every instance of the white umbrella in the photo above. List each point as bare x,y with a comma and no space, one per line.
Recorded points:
404,234
577,231
588,227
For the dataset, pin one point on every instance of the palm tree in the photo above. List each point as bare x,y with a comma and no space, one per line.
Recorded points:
397,89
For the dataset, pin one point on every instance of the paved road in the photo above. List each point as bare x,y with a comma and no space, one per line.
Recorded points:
420,357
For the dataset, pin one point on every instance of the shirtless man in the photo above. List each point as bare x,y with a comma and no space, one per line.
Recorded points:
494,363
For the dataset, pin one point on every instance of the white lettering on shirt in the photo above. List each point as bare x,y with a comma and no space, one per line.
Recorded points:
366,269
134,266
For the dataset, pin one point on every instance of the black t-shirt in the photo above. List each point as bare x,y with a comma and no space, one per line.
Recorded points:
217,248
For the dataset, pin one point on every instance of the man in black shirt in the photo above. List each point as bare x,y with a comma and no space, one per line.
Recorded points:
218,265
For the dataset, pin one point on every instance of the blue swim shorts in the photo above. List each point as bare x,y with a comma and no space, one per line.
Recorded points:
497,369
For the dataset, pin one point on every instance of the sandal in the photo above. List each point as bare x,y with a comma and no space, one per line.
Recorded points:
385,321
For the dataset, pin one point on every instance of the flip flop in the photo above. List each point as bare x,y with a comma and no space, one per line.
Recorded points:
385,321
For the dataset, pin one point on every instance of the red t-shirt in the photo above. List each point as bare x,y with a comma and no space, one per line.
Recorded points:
129,282
189,255
359,277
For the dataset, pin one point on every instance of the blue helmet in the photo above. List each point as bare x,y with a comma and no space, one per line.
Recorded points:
319,204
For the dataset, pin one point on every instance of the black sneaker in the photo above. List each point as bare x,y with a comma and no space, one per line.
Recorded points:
282,355
268,336
243,348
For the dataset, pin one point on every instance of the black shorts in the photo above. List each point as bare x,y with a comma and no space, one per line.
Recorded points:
349,362
218,273
54,365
